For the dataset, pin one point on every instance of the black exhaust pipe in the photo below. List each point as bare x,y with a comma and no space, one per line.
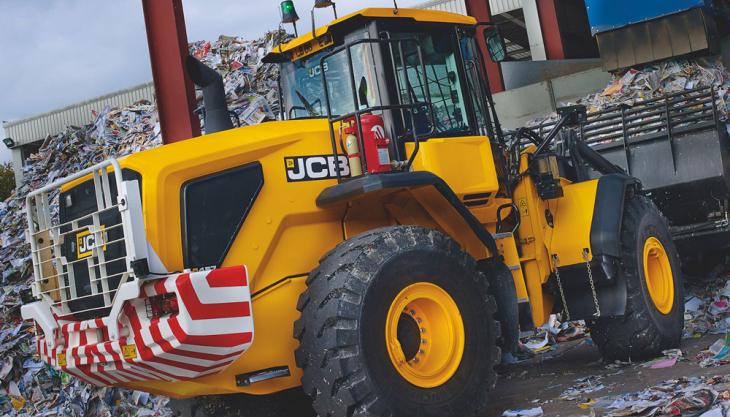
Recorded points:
217,116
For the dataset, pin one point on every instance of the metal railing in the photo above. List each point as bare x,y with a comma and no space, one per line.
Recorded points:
79,263
672,114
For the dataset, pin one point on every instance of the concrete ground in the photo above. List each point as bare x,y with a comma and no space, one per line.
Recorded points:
537,382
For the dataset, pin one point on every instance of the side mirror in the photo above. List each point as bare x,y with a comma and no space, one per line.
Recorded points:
495,44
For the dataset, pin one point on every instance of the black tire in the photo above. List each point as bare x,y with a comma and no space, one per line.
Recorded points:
347,370
644,332
502,288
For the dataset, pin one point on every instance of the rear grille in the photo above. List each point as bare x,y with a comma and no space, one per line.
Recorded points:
83,254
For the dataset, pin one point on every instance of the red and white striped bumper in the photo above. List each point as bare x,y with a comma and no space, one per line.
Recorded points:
212,328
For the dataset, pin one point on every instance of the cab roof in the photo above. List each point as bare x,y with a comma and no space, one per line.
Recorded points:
418,15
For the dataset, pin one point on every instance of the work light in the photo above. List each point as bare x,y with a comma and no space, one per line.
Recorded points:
323,4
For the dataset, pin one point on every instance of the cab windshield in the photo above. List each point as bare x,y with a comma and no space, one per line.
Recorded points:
420,68
301,83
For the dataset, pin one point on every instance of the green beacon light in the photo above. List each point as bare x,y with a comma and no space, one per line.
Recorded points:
289,14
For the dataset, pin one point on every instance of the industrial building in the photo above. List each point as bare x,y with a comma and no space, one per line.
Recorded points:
25,136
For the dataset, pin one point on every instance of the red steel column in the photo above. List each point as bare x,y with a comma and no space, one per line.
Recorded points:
479,9
550,29
168,44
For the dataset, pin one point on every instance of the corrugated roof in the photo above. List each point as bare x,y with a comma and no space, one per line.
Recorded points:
35,128
504,6
453,6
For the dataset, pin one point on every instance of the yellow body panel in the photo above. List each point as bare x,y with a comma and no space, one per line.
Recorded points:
466,164
572,215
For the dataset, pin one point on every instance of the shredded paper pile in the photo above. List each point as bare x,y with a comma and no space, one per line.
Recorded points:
27,386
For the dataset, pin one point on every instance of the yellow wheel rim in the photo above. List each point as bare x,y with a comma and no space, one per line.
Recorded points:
658,275
424,335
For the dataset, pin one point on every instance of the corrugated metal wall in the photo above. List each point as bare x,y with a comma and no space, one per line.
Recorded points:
38,127
503,6
453,6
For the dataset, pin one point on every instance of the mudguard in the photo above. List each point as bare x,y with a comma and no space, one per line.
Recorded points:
605,238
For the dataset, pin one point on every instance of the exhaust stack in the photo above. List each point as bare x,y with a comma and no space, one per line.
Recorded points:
217,117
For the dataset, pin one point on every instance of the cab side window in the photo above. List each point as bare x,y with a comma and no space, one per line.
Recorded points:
440,78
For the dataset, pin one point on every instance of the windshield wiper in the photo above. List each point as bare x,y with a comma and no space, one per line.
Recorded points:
307,105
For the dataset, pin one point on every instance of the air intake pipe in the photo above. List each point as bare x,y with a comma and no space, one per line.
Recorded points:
217,116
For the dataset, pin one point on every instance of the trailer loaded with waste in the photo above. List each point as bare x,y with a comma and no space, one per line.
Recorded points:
663,118
678,146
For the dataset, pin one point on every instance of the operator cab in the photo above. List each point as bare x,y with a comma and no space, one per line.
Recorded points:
417,74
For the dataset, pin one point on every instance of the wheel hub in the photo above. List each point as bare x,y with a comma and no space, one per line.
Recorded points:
658,275
424,335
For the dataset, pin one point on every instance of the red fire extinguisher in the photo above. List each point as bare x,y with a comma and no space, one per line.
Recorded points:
375,144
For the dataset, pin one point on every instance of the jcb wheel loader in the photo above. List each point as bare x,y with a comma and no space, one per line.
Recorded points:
383,223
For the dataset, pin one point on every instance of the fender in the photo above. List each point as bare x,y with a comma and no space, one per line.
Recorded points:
608,213
605,238
366,185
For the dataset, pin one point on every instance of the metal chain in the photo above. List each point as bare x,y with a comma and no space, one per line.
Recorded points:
560,286
593,284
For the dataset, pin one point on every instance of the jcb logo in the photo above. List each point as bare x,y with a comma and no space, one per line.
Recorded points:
316,71
318,167
85,242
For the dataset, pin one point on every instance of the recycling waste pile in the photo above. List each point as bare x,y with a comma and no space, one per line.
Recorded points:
27,386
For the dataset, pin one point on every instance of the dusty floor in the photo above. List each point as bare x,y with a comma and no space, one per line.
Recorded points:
537,382
540,381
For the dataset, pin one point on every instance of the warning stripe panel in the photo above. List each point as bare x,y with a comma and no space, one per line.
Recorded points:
208,333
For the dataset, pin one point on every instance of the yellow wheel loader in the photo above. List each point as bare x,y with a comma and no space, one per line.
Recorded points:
379,246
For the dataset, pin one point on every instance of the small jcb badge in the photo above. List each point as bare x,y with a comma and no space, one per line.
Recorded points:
315,167
129,351
61,359
85,242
